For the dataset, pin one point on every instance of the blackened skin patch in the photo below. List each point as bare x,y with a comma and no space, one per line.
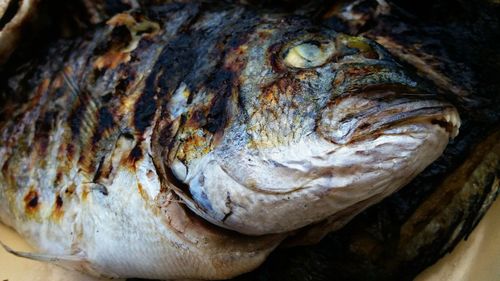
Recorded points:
31,200
135,154
59,202
104,123
145,106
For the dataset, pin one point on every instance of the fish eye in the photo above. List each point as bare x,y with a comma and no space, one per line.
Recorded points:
309,54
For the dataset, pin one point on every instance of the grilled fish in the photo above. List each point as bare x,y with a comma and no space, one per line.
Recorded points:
188,140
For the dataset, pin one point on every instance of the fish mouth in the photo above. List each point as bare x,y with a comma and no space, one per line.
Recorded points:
391,109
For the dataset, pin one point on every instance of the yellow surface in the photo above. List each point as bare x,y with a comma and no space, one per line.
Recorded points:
476,259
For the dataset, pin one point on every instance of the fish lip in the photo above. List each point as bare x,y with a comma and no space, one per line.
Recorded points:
445,117
391,105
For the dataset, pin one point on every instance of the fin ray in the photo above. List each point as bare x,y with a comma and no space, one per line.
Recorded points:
77,262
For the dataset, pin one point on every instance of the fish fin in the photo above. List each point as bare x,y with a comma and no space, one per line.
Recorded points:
39,256
77,262
195,207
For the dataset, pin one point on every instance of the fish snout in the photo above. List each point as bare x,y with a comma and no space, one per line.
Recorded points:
371,113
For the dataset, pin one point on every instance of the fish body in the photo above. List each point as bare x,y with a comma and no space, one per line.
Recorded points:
189,140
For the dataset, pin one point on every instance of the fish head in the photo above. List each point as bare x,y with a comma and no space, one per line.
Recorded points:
319,124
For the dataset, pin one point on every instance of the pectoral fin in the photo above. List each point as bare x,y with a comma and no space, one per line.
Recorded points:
76,262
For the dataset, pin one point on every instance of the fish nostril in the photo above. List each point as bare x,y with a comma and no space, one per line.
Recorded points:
356,45
365,50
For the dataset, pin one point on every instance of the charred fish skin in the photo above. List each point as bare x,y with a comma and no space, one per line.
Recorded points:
125,125
78,180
